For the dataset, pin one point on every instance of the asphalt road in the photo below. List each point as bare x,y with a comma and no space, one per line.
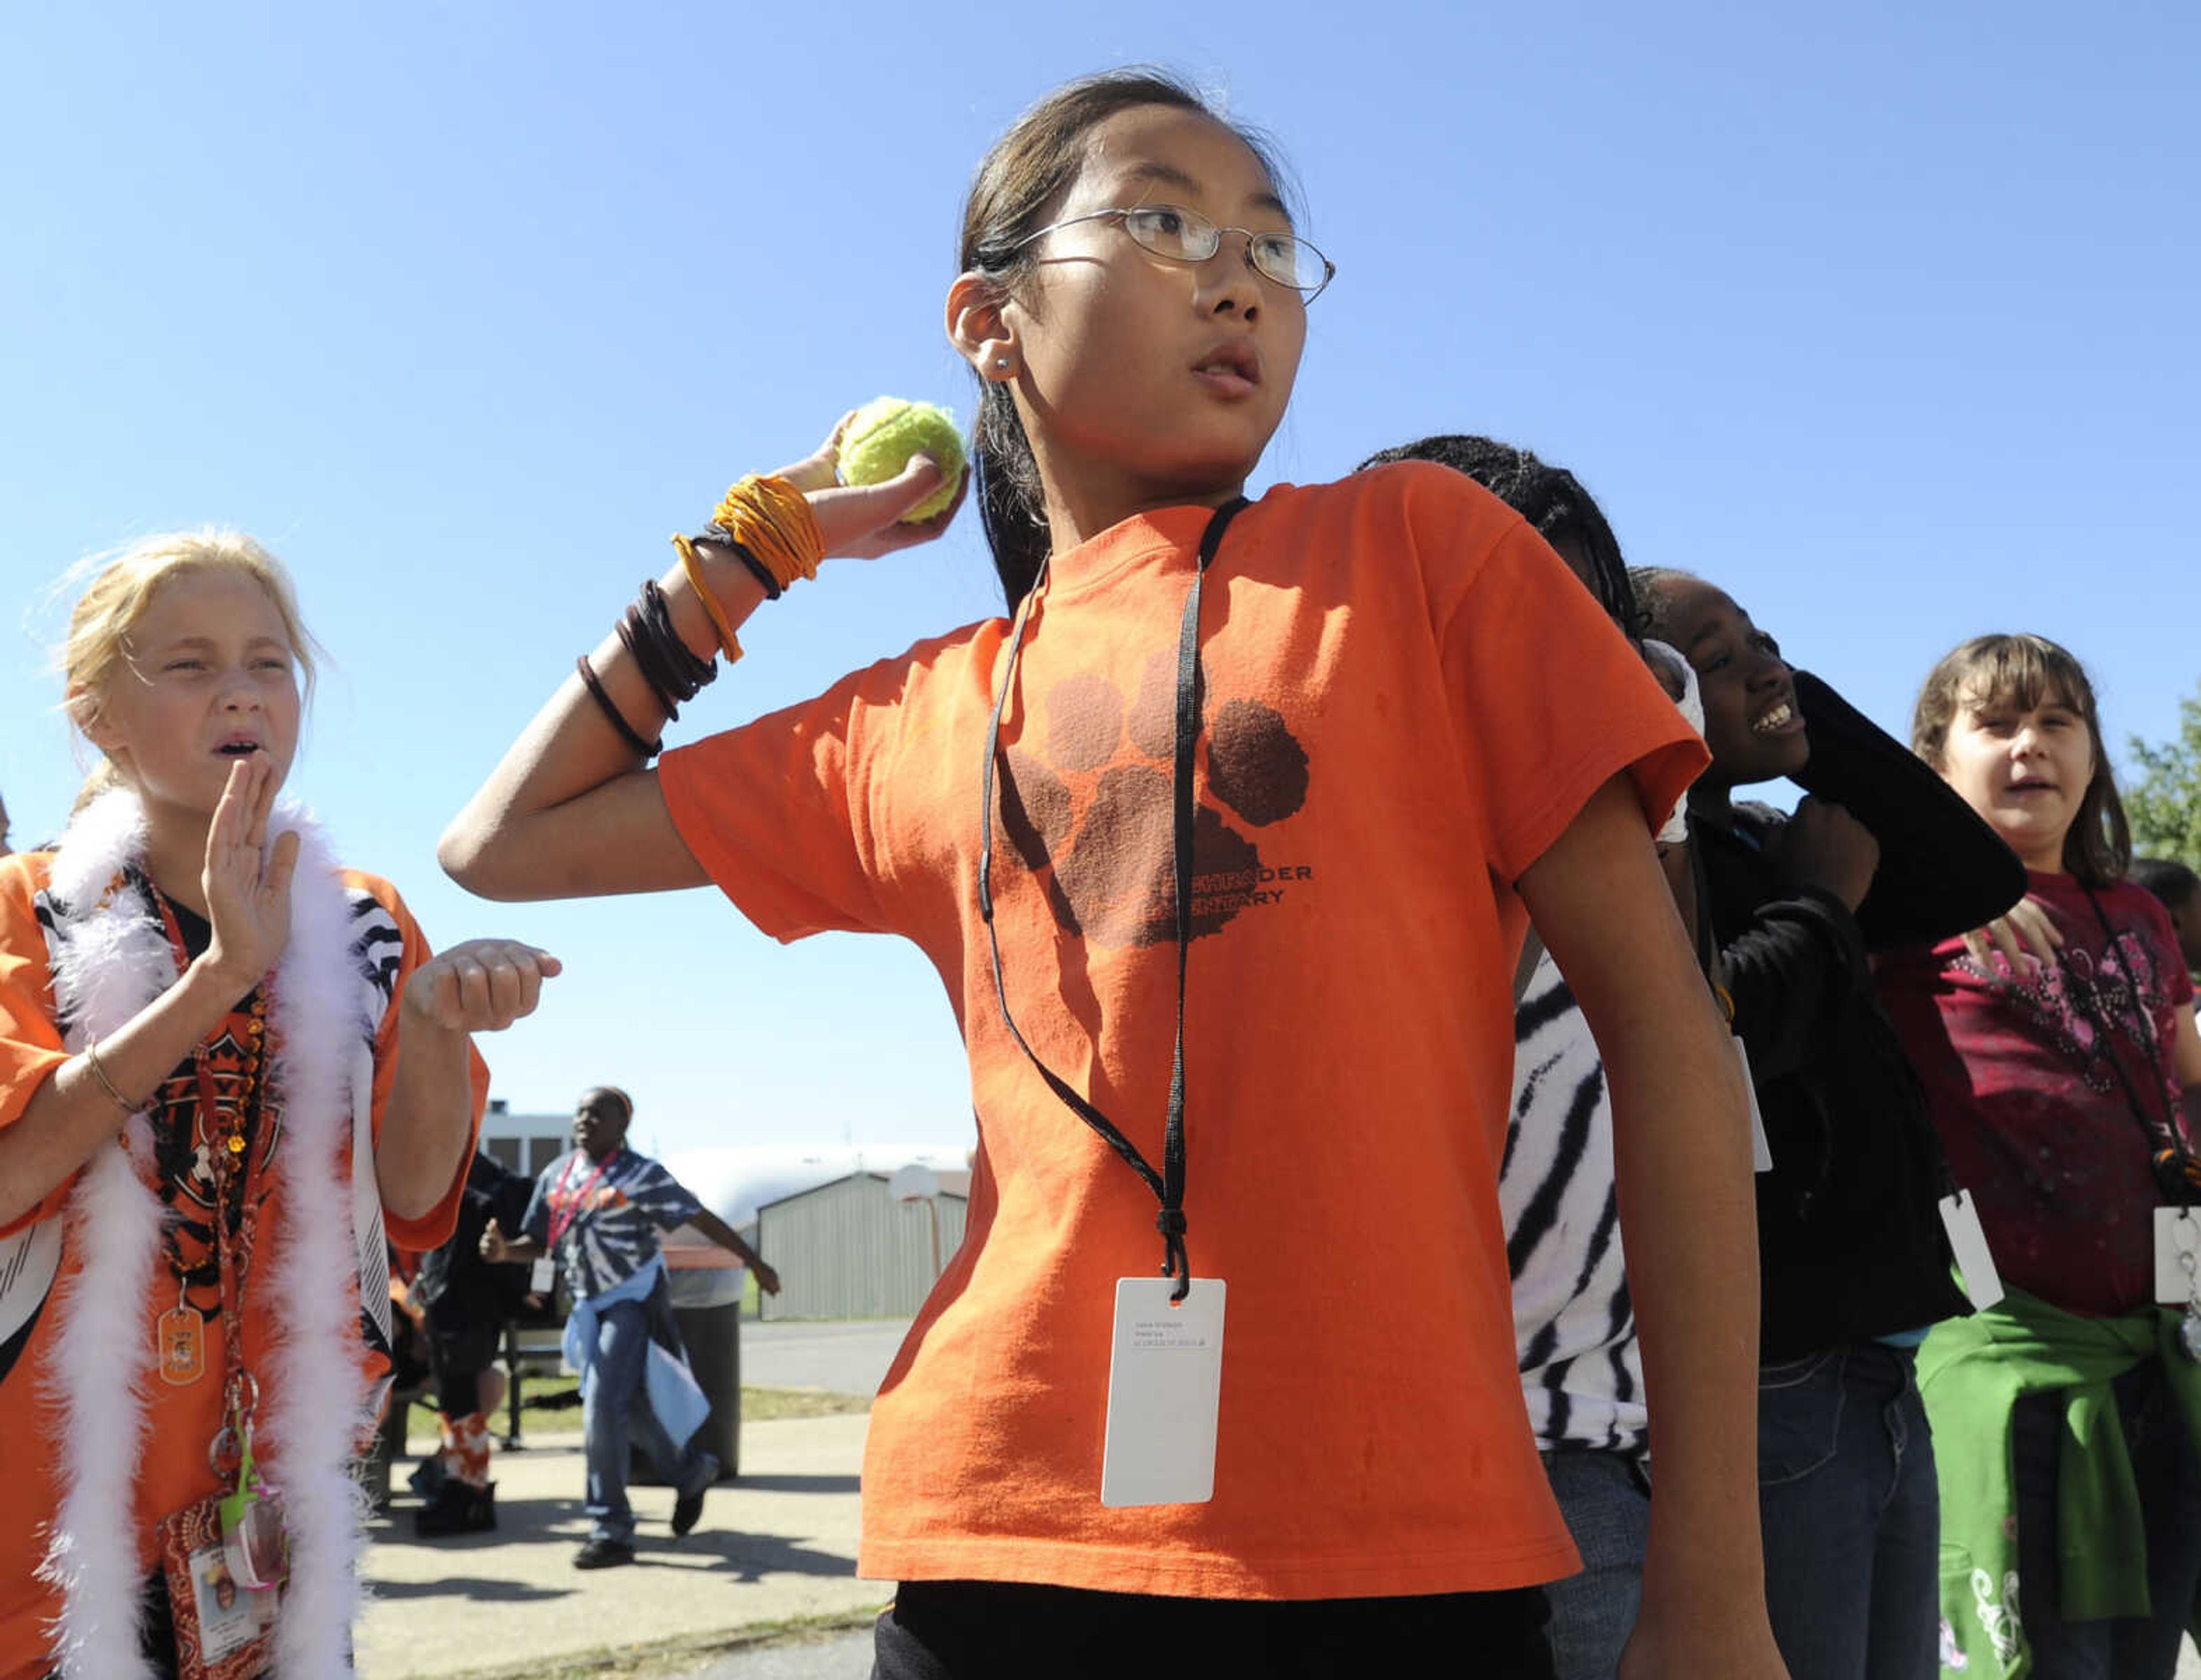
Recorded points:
849,1356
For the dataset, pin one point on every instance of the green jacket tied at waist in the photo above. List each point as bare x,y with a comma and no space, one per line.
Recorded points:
1972,1372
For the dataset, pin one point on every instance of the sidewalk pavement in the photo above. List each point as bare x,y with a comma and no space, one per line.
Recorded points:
775,1553
774,1548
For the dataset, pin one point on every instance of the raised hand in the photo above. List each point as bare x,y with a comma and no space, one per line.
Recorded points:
483,985
1824,846
246,882
2026,929
861,522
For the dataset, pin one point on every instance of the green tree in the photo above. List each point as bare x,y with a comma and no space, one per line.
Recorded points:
2163,802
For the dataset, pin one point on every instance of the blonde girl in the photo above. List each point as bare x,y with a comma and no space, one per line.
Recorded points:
229,1072
2054,1049
1227,898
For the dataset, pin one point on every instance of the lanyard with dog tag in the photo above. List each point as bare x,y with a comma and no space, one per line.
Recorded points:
1156,1470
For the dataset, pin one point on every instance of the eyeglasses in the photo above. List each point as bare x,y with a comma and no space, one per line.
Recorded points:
1171,232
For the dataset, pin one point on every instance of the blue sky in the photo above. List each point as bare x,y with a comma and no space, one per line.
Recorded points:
1883,319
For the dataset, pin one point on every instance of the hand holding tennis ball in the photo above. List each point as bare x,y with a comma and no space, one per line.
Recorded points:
912,500
881,436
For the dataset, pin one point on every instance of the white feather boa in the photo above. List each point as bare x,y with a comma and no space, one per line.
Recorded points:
110,959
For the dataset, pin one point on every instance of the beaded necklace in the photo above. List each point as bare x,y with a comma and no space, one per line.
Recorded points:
180,1342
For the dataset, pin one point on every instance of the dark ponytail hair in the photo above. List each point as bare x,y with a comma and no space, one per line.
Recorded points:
1018,186
1551,499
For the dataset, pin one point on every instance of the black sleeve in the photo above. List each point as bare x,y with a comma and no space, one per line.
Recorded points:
1942,870
1792,970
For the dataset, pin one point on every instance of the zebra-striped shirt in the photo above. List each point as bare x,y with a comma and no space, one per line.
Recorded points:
1574,1327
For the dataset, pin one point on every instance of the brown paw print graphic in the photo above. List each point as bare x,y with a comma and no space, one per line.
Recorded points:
1085,803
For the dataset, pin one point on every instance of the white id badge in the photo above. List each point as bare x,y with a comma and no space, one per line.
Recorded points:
1165,1385
1975,1264
543,1278
230,1617
2177,1254
1761,1151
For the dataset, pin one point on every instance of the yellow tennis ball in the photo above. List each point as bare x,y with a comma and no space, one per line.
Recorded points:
886,432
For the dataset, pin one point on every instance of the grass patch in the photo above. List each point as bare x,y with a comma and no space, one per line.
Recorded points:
662,1659
759,1406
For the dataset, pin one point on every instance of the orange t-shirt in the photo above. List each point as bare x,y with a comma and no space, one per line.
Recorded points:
1407,699
172,1471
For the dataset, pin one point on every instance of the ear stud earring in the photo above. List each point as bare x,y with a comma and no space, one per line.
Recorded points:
1002,363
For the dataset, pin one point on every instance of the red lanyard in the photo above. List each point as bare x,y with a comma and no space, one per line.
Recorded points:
572,1209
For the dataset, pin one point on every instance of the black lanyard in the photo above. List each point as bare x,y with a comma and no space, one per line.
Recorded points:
2174,1166
1168,1184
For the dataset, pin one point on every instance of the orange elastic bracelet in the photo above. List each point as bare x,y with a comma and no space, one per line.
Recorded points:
712,607
772,520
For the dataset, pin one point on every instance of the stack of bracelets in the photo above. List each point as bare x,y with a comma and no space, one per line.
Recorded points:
767,525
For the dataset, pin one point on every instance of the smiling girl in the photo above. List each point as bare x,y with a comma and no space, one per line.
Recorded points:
1853,1259
1220,845
2054,1076
228,1071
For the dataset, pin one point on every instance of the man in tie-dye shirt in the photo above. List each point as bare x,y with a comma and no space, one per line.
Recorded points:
600,1209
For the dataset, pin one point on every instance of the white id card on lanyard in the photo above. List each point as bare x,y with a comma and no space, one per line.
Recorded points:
542,1277
1761,1151
1164,1388
1968,1243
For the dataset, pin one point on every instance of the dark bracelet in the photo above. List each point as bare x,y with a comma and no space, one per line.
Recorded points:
673,673
696,673
630,632
719,537
649,750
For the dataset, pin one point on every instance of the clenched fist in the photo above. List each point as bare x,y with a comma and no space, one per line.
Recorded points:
483,985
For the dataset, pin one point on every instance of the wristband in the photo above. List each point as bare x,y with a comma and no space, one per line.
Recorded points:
715,610
98,1073
773,520
627,732
758,569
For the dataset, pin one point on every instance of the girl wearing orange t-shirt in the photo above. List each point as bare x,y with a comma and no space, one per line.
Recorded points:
1227,900
227,1068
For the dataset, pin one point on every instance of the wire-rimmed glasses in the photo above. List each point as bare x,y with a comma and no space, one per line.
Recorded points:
1179,235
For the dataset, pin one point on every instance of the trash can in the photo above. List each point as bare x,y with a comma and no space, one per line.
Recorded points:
707,1307
714,1336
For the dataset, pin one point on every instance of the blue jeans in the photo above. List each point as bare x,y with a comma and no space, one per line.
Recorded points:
1851,1514
616,1403
1606,1501
2131,1648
